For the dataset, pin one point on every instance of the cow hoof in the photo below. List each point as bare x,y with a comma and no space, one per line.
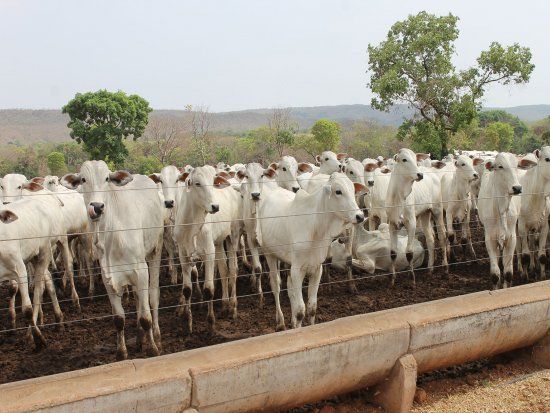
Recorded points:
121,354
280,327
39,340
153,351
262,301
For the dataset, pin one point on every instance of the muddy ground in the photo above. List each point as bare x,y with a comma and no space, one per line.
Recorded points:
91,343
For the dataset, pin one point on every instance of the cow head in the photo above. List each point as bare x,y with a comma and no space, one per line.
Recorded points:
354,170
253,177
287,170
95,180
201,182
465,168
506,178
168,180
12,187
50,182
341,198
406,164
370,166
330,162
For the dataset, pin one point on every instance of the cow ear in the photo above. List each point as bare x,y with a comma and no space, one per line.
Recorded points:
32,186
220,182
342,156
38,180
477,161
318,159
120,178
183,177
369,167
71,181
241,174
155,178
489,165
395,157
380,164
270,173
232,174
274,166
7,216
360,188
422,156
526,164
224,174
537,153
438,164
385,170
304,167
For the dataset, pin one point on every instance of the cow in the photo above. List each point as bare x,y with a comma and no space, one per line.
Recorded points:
456,185
498,208
287,171
297,229
36,227
12,187
208,214
373,251
254,178
533,217
127,215
413,194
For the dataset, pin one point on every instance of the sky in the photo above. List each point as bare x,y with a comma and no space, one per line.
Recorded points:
238,54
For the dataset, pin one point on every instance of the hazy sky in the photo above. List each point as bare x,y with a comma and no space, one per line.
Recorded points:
237,54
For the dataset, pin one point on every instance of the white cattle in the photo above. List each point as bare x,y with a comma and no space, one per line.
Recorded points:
254,178
456,184
533,217
208,213
373,251
12,187
329,162
127,213
287,171
498,210
297,229
38,227
413,194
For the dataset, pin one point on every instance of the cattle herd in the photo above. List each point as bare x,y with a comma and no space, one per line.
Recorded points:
301,217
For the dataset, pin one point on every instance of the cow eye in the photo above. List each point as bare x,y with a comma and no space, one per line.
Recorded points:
547,159
198,184
284,169
404,160
83,180
463,164
326,159
338,192
107,179
19,187
501,167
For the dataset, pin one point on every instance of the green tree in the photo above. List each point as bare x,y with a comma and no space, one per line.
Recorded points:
102,120
56,163
498,136
327,134
414,66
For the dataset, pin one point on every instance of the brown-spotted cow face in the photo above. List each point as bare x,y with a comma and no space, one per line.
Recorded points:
95,180
341,198
202,181
12,187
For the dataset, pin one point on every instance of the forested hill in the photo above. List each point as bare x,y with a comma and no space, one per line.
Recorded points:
26,125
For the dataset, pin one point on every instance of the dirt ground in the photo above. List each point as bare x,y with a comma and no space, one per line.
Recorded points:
508,383
91,343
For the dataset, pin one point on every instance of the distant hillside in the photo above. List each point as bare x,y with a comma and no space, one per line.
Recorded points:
27,125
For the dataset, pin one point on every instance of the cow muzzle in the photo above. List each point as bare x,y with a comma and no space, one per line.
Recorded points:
516,189
95,210
169,204
214,208
359,218
255,196
419,176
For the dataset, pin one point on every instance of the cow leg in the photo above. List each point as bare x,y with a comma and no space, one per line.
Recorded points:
232,247
437,213
53,297
524,247
393,250
312,289
542,248
467,236
508,258
275,282
195,279
13,294
154,291
209,289
256,266
68,263
42,262
187,289
350,235
493,251
221,263
23,285
118,320
144,310
297,305
451,235
409,218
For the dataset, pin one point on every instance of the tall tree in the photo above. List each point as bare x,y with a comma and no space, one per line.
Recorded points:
200,119
56,163
414,66
282,128
102,120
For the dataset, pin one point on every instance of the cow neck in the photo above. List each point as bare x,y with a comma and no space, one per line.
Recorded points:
535,189
462,187
195,214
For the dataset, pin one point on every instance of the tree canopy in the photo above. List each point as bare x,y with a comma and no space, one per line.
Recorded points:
56,163
102,120
414,66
